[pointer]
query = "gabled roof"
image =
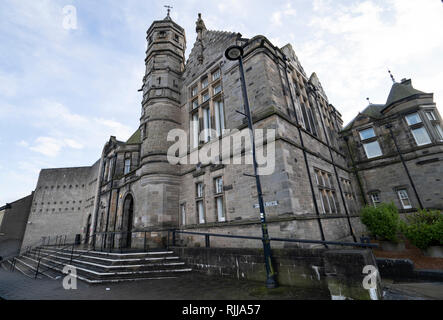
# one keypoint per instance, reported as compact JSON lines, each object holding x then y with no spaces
{"x":401,"y":91}
{"x":372,"y":111}
{"x":135,"y":138}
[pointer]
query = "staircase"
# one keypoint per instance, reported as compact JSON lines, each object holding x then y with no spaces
{"x":96,"y":267}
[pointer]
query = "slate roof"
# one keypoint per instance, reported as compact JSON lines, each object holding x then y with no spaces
{"x":372,"y":110}
{"x":401,"y":91}
{"x":135,"y":138}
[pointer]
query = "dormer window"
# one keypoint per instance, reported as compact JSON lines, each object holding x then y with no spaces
{"x":370,"y":143}
{"x":413,"y":118}
{"x":367,"y":134}
{"x":418,"y":130}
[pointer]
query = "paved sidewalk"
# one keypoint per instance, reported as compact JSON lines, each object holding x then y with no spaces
{"x":414,"y":291}
{"x":192,"y":286}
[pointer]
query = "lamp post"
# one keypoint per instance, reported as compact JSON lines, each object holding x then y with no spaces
{"x":235,"y":53}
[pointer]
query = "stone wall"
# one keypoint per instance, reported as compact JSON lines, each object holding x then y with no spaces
{"x":13,"y":225}
{"x":63,"y":200}
{"x":339,"y":271}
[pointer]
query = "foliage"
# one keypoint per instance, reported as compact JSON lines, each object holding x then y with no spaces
{"x":424,"y":228}
{"x":382,"y":221}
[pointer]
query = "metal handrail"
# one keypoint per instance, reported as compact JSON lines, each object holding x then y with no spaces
{"x":71,"y":246}
{"x":208,"y":235}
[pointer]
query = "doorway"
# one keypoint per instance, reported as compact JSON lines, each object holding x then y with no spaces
{"x":128,"y":211}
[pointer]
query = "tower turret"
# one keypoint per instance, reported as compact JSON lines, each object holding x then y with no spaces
{"x":160,"y":114}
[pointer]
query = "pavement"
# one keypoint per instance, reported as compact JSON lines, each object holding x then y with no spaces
{"x":413,"y":291}
{"x":191,"y":286}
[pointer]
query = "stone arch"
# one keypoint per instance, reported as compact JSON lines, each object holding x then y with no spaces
{"x":127,"y":220}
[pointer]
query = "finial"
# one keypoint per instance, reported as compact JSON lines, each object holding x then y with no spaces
{"x":368,"y":101}
{"x":169,"y":9}
{"x":392,"y":77}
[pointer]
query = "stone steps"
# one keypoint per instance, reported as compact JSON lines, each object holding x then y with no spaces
{"x":102,"y":267}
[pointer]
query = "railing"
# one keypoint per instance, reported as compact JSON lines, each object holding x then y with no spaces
{"x":118,"y":241}
{"x":69,"y":246}
{"x":363,"y":244}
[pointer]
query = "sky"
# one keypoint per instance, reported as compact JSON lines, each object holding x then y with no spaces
{"x":68,"y":82}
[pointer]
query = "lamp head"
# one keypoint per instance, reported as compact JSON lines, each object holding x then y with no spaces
{"x":234,"y":53}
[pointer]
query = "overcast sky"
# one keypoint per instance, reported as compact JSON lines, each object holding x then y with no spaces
{"x":63,"y":92}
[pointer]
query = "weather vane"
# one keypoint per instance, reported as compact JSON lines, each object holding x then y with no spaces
{"x":168,"y":8}
{"x":392,"y":77}
{"x":368,"y":100}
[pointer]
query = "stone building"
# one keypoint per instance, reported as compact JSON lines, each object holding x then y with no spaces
{"x":311,"y":192}
{"x":396,"y":150}
{"x":13,"y":219}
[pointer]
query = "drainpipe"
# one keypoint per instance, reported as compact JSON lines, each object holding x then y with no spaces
{"x":314,"y":93}
{"x":389,"y":127}
{"x":314,"y":198}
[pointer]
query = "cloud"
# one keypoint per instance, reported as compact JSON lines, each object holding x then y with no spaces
{"x":355,"y":44}
{"x":277,"y":16}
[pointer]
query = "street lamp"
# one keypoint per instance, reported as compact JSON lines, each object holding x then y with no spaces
{"x":235,"y":53}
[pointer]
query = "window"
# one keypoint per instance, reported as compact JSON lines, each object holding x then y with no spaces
{"x":194,"y":91}
{"x":205,"y":96}
{"x":207,"y":124}
{"x":216,"y":75}
{"x":204,"y":82}
{"x":127,"y":166}
{"x":327,"y":195}
{"x":431,"y":116}
{"x":175,"y":37}
{"x":207,"y":110}
{"x":367,"y":134}
{"x":372,"y":149}
{"x":219,"y":117}
{"x":220,"y":210}
{"x":217,"y":89}
{"x":218,"y":182}
{"x":439,"y":131}
{"x":404,"y":199}
{"x":199,"y":189}
{"x":375,"y":198}
{"x":195,"y":104}
{"x":349,"y":195}
{"x":413,"y":118}
{"x":219,"y":185}
{"x":183,"y":213}
{"x":195,"y":129}
{"x":199,"y":203}
{"x":421,"y":136}
{"x":201,"y":211}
